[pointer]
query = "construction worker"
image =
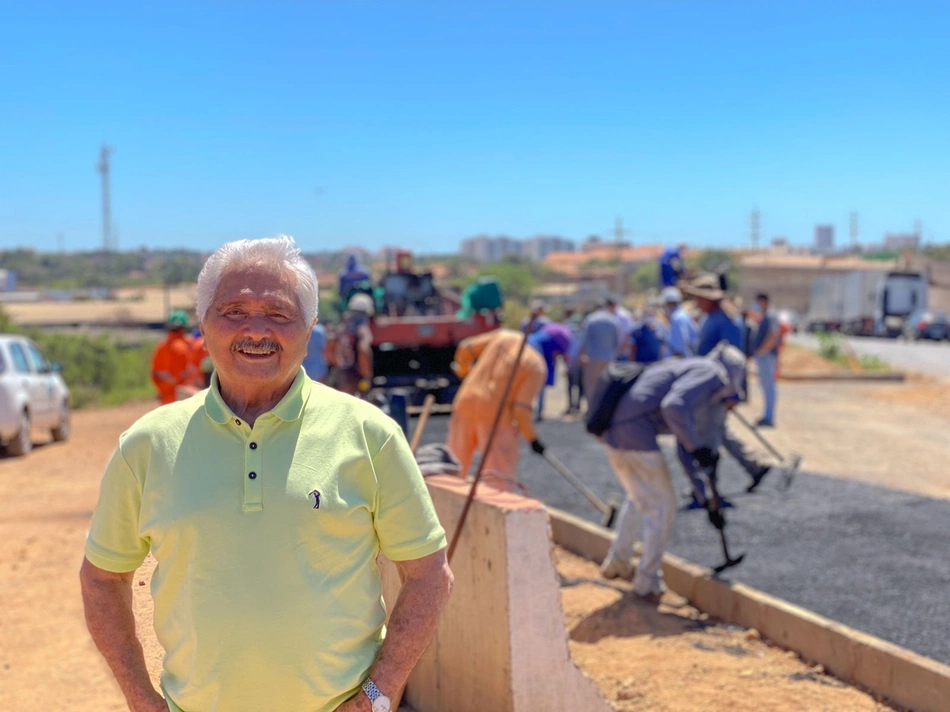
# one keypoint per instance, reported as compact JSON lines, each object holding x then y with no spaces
{"x":764,"y":349}
{"x":722,"y":325}
{"x":315,"y":363}
{"x":672,"y":265}
{"x":599,"y":343}
{"x":352,"y":350}
{"x":200,"y":360}
{"x":683,"y":397}
{"x":485,"y":362}
{"x":682,"y":335}
{"x":351,"y":276}
{"x":647,"y":337}
{"x":172,"y":362}
{"x":551,"y":340}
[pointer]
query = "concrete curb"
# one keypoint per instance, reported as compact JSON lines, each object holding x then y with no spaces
{"x":906,"y":678}
{"x":884,"y":376}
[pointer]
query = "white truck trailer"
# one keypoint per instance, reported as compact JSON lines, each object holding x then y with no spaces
{"x":866,"y":302}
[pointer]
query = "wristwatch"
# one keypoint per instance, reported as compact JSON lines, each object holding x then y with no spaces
{"x":380,"y":702}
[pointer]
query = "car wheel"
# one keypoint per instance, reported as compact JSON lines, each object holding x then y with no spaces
{"x":21,"y":443}
{"x":61,"y":431}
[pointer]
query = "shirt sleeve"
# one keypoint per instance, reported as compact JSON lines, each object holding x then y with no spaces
{"x":114,"y":543}
{"x":690,"y":391}
{"x":405,"y":519}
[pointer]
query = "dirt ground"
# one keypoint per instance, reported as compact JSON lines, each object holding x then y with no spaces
{"x":47,"y":661}
{"x":672,"y":657}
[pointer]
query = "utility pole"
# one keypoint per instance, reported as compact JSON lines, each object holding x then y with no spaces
{"x":103,"y":169}
{"x":853,"y":230}
{"x":754,"y":228}
{"x":619,"y":232}
{"x":919,"y":230}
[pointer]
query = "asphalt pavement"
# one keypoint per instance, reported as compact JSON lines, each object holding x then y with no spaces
{"x":872,"y":558}
{"x":930,"y":357}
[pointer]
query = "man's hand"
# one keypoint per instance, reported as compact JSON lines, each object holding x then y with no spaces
{"x":705,"y":457}
{"x":154,"y":703}
{"x":537,"y":447}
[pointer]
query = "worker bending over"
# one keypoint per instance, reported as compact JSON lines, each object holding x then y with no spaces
{"x":685,"y":397}
{"x":485,"y":363}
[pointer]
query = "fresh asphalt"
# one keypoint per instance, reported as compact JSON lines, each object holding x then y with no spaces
{"x":872,"y":558}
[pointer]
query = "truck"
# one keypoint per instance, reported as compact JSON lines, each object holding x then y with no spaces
{"x":873,"y":302}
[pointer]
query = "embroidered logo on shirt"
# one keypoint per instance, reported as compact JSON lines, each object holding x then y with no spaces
{"x":316,"y":495}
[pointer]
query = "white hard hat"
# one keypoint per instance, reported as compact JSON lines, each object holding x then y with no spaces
{"x":671,"y":295}
{"x":361,"y":302}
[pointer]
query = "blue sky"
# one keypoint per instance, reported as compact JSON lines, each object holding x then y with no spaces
{"x":422,"y":123}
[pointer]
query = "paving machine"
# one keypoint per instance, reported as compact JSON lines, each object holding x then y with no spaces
{"x":417,"y":326}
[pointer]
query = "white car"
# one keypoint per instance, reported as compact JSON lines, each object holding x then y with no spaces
{"x":32,"y":394}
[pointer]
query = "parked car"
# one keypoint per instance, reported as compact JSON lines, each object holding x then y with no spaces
{"x":32,"y":394}
{"x":925,"y":324}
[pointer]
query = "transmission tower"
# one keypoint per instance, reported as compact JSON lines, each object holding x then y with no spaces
{"x":919,"y":231}
{"x":103,"y":168}
{"x":754,"y":227}
{"x":853,"y":230}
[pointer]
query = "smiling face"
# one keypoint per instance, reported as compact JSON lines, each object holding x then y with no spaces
{"x":255,"y":333}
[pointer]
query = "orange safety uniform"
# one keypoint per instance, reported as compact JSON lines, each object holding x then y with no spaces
{"x":172,"y":365}
{"x":493,"y":355}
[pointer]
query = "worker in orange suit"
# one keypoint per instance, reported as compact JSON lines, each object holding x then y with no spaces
{"x":485,"y":363}
{"x":172,"y":364}
{"x":201,"y":361}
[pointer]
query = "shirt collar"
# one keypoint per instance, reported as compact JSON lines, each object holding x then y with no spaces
{"x":288,"y":409}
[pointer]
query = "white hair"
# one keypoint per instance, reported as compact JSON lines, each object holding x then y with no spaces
{"x":268,"y":253}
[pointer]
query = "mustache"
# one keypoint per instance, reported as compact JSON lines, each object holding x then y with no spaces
{"x":251,"y":346}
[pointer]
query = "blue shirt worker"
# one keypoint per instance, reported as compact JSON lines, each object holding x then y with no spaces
{"x":672,"y":266}
{"x":683,"y":397}
{"x":352,"y":275}
{"x":682,"y":336}
{"x":551,"y":340}
{"x":646,"y":340}
{"x":315,"y":363}
{"x":764,"y":349}
{"x":598,"y":344}
{"x":719,"y":326}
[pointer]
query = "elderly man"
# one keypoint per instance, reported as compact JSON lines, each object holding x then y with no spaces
{"x":685,"y":397}
{"x":265,"y":500}
{"x":485,"y":363}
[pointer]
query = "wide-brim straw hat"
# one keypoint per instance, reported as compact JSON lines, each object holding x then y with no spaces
{"x":705,"y":285}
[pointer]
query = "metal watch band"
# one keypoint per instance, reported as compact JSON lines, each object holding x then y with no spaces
{"x":372,"y":692}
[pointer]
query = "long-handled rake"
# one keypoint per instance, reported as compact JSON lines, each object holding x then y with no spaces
{"x":791,"y":464}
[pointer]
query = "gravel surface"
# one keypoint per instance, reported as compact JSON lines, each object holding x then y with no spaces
{"x":873,"y":558}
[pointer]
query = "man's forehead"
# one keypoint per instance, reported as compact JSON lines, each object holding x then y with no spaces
{"x":255,"y":284}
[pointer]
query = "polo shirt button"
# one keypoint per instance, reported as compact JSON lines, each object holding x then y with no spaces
{"x":253,"y":446}
{"x":252,"y":475}
{"x":238,"y":422}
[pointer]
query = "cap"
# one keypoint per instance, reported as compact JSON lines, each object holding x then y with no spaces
{"x":361,"y":302}
{"x":177,"y":320}
{"x":671,"y":295}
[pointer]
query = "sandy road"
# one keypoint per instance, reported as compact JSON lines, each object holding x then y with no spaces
{"x":47,"y":660}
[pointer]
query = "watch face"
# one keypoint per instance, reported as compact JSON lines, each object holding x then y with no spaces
{"x":382,"y":704}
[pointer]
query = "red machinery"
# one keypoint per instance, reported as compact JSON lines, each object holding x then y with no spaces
{"x":416,"y":330}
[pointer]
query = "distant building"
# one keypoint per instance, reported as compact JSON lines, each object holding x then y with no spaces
{"x":539,"y":247}
{"x":894,"y":241}
{"x":824,"y":239}
{"x":779,"y":243}
{"x":490,"y":249}
{"x":7,"y":280}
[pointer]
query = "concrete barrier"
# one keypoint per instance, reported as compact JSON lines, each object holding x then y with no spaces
{"x":906,"y":678}
{"x":501,"y":644}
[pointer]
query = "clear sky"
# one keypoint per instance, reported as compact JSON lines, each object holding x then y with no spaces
{"x":422,"y":123}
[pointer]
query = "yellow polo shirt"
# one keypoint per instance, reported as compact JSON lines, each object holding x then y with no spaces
{"x":267,"y":594}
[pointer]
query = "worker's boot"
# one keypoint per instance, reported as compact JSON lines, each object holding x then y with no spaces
{"x":616,"y":567}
